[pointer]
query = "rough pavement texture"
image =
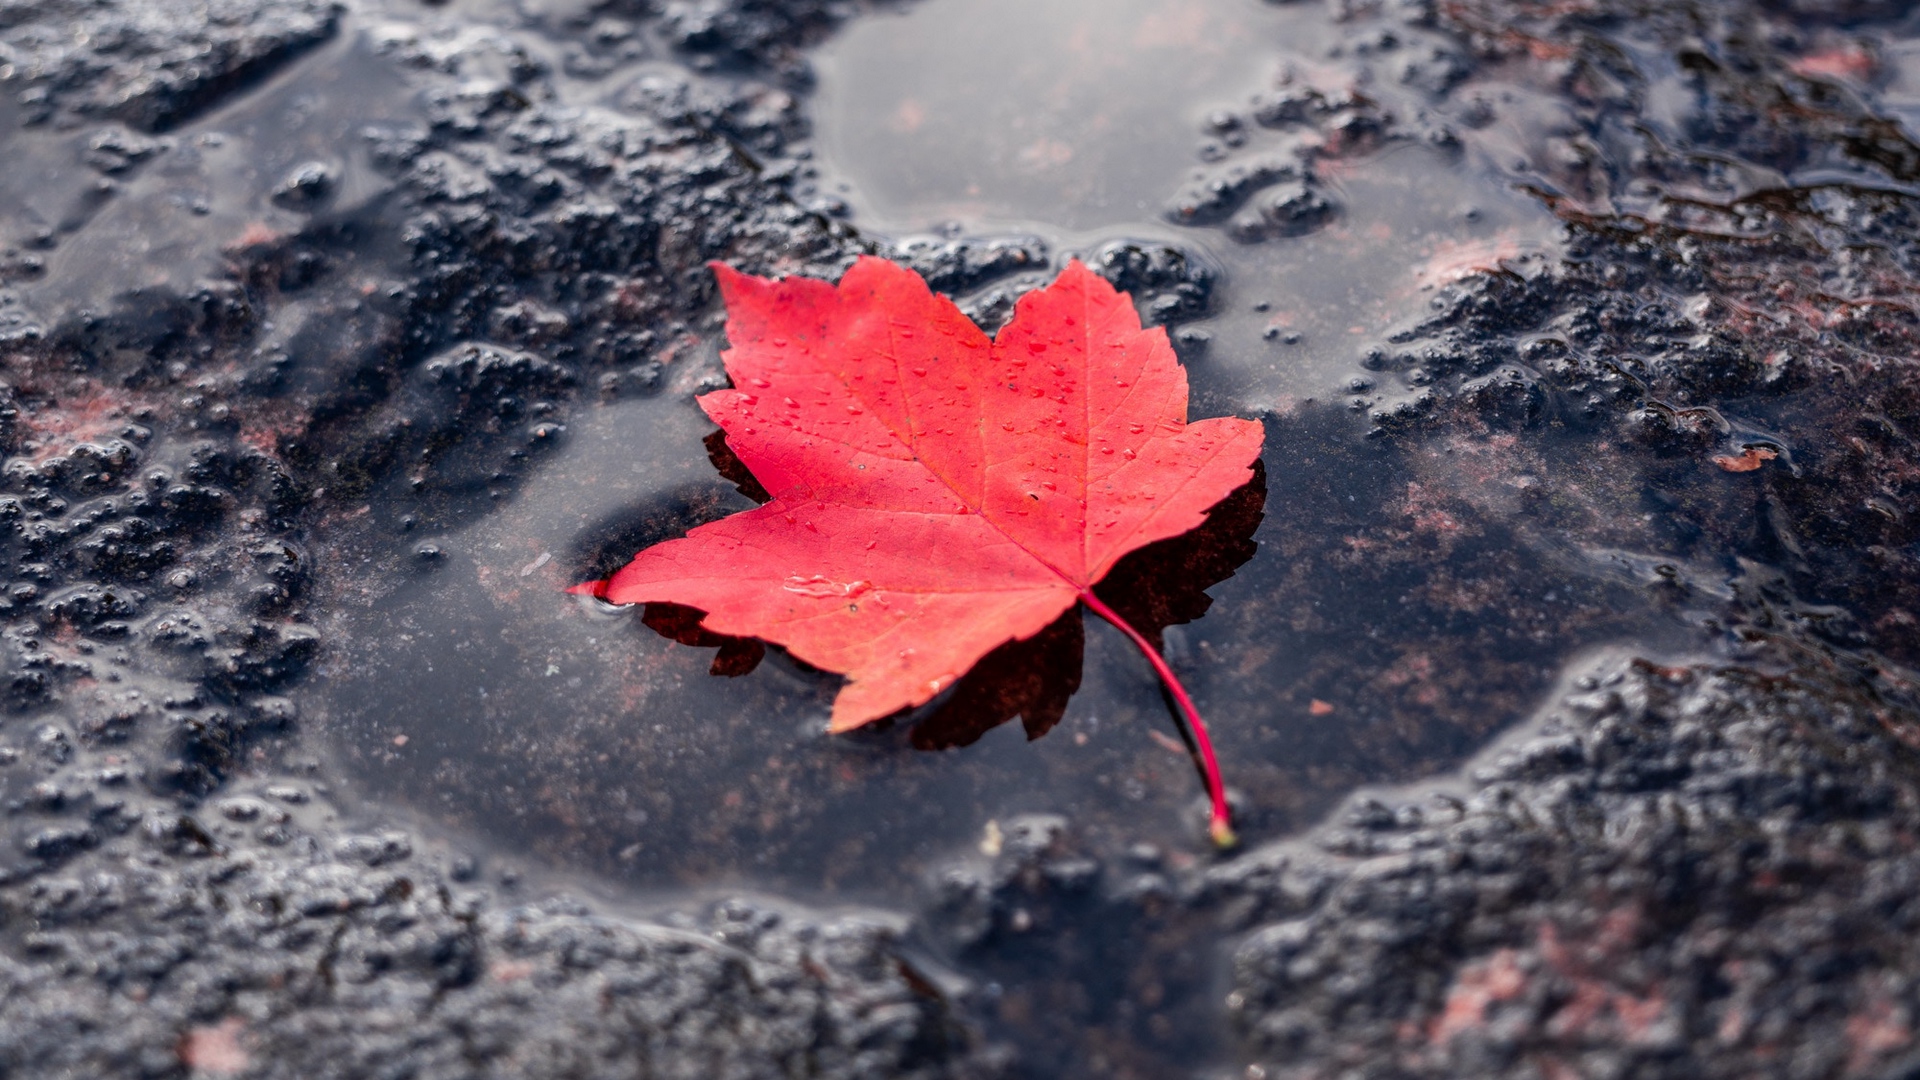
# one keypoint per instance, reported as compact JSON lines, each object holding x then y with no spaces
{"x":245,"y":946}
{"x":161,"y":920}
{"x":1701,"y":868}
{"x":1697,"y":867}
{"x":151,"y":64}
{"x":1684,"y":871}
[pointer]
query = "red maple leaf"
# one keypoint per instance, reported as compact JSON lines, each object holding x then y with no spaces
{"x":934,"y":493}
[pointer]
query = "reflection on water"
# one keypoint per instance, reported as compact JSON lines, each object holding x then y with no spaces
{"x":1078,"y":115}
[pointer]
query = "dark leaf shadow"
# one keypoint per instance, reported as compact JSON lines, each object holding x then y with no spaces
{"x":737,"y":655}
{"x":1156,"y":587}
{"x":728,"y":464}
{"x":1031,"y":679}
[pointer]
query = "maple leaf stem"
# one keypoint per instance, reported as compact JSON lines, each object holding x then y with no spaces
{"x":1220,"y":822}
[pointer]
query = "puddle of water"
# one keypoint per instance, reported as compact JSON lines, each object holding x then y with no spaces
{"x":1075,"y":114}
{"x":1338,"y":654}
{"x":1898,"y":69}
{"x":1083,"y":121}
{"x":482,"y":694}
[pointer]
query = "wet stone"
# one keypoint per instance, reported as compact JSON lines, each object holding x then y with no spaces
{"x":305,"y":187}
{"x":340,"y":341}
{"x":1290,"y":209}
{"x":151,"y":64}
{"x":1542,"y":968}
{"x":962,"y":265}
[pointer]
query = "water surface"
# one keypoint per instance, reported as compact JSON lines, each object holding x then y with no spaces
{"x":1333,"y":656}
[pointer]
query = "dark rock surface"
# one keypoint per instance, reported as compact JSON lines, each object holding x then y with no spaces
{"x":1691,"y":867}
{"x":1696,"y":870}
{"x":239,"y":940}
{"x":355,"y":330}
{"x":151,"y":65}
